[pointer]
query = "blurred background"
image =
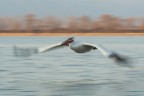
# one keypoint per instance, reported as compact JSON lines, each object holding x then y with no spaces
{"x":72,"y":16}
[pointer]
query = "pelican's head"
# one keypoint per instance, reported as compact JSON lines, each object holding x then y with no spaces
{"x":68,"y":41}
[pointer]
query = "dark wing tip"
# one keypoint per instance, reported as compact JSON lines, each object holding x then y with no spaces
{"x":121,"y":60}
{"x":24,"y":52}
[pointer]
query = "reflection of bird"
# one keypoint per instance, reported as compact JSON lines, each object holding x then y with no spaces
{"x":77,"y":46}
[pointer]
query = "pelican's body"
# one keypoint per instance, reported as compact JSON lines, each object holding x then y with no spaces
{"x":77,"y":46}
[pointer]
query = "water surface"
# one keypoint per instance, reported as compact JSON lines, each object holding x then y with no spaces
{"x":66,"y":73}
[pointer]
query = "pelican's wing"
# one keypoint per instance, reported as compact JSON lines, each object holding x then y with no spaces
{"x":26,"y":52}
{"x":119,"y":59}
{"x":49,"y":48}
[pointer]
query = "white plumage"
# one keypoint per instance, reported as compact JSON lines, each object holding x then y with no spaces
{"x":77,"y":46}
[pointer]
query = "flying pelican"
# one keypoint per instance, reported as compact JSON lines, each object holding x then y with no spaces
{"x":77,"y":46}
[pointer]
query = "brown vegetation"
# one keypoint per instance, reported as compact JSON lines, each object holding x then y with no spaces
{"x":84,"y":24}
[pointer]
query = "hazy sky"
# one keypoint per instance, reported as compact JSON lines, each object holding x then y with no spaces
{"x":66,"y":8}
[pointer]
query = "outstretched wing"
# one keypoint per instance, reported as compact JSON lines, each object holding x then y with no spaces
{"x":119,"y":59}
{"x":50,"y":48}
{"x":26,"y":52}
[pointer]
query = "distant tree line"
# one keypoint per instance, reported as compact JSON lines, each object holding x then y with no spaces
{"x":105,"y":23}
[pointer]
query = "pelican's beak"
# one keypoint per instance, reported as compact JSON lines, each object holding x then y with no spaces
{"x":68,"y":41}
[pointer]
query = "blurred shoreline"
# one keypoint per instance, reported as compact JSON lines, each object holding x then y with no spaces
{"x":73,"y":34}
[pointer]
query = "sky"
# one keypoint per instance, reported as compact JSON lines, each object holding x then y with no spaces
{"x":67,"y":8}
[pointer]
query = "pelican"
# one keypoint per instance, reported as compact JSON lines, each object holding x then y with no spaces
{"x":76,"y":46}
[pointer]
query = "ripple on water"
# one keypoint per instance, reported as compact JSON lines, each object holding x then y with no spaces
{"x":65,"y":73}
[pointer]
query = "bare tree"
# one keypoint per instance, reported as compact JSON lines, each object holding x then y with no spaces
{"x":141,"y":23}
{"x":5,"y":23}
{"x":73,"y":24}
{"x":85,"y":23}
{"x":52,"y":23}
{"x":129,"y":23}
{"x":29,"y":22}
{"x":39,"y":25}
{"x":96,"y":25}
{"x":16,"y":24}
{"x":110,"y":22}
{"x":2,"y":25}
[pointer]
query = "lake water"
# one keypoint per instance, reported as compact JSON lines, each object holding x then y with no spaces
{"x":66,"y":73}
